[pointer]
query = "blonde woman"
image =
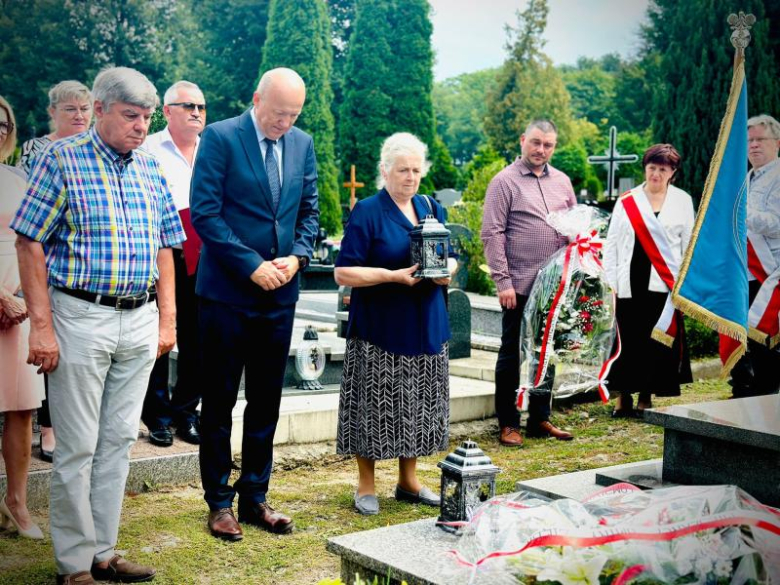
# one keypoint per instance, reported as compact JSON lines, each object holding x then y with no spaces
{"x":21,"y":390}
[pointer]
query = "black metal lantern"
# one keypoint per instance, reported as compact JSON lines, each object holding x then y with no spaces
{"x":468,"y":478}
{"x":430,"y":248}
{"x":310,"y":360}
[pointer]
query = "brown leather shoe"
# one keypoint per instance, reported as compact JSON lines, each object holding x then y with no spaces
{"x":80,"y":578}
{"x":510,"y":437}
{"x":547,"y":429}
{"x":223,"y":524}
{"x":123,"y":571}
{"x":265,"y":517}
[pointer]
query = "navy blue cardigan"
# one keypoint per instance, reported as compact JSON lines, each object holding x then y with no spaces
{"x":397,"y":318}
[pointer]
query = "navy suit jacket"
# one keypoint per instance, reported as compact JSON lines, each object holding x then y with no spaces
{"x":231,"y":209}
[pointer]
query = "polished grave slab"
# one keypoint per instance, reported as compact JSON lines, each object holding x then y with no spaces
{"x":726,"y":442}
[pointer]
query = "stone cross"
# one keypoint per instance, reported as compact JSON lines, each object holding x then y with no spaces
{"x":612,"y":160}
{"x":352,"y":184}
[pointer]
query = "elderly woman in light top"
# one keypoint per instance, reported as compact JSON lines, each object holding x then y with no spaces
{"x":394,"y":401}
{"x":70,"y":112}
{"x":647,"y":366}
{"x":21,"y":390}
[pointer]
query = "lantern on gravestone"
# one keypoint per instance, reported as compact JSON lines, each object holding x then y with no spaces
{"x":310,"y":360}
{"x":468,"y":478}
{"x":430,"y":248}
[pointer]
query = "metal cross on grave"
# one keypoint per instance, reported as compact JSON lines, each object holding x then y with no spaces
{"x":611,"y":160}
{"x":352,"y":184}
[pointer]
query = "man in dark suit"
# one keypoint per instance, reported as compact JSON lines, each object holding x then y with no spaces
{"x":254,"y":205}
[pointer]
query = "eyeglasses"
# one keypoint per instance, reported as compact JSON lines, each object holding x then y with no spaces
{"x":189,"y":106}
{"x":752,"y":140}
{"x":6,"y":128}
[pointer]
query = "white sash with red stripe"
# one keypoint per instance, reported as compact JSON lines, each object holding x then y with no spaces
{"x":764,"y":315}
{"x":652,"y":237}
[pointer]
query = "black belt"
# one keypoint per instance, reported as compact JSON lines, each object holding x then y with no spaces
{"x":118,"y":303}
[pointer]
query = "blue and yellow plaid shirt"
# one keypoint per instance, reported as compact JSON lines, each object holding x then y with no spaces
{"x":100,"y":216}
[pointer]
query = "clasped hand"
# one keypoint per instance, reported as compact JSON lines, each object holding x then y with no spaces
{"x":13,"y":311}
{"x":272,"y":274}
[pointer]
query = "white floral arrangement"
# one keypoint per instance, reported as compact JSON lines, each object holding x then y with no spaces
{"x":703,"y":535}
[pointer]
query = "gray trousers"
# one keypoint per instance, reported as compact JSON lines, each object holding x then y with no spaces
{"x":96,"y":394}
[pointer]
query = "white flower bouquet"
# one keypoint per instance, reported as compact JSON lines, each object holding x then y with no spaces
{"x":704,"y":535}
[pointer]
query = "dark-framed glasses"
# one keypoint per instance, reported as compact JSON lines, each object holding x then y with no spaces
{"x":6,"y":128}
{"x":189,"y":106}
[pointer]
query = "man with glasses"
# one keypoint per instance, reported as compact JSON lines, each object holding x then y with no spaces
{"x":758,"y":372}
{"x":518,"y":241}
{"x":94,"y":236}
{"x":175,"y":147}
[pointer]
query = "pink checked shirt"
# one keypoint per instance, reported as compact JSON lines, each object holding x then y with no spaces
{"x":518,"y":240}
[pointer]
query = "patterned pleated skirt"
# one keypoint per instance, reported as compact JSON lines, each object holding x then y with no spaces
{"x":393,"y":405}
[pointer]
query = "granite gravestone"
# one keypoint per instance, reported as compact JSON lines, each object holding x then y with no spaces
{"x":460,"y":323}
{"x":733,"y":442}
{"x":458,"y":235}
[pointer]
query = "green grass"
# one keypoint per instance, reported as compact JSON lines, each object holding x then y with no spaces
{"x":167,"y":528}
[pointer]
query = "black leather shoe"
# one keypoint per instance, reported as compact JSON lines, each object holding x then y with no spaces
{"x":161,"y":437}
{"x":189,"y":432}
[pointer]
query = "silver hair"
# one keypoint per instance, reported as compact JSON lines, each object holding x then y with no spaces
{"x":546,"y":126}
{"x":772,"y":126}
{"x":401,"y":144}
{"x":69,"y":90}
{"x":278,"y":74}
{"x":122,"y":84}
{"x":172,"y":93}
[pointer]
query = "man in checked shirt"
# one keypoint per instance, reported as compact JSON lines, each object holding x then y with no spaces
{"x":95,"y":232}
{"x":518,"y":241}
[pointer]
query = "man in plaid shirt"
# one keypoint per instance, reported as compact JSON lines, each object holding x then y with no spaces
{"x":95,"y":232}
{"x":518,"y":241}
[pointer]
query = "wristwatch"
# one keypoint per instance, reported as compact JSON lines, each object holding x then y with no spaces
{"x":303,"y":262}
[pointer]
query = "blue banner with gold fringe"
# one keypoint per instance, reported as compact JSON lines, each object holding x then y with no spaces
{"x":713,"y":283}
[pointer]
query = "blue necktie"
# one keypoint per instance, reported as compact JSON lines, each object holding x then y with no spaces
{"x":272,"y":170}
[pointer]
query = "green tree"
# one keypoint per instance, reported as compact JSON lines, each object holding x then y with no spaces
{"x":528,"y":86}
{"x":592,"y":94}
{"x":298,"y":37}
{"x":691,"y":40}
{"x":389,"y":68}
{"x":223,"y":51}
{"x":28,"y":30}
{"x":443,"y":173}
{"x":459,"y":104}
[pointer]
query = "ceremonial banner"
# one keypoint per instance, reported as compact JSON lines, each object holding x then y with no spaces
{"x":713,"y":283}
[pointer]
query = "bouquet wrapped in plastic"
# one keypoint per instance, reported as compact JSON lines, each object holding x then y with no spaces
{"x":687,"y":534}
{"x":568,"y":327}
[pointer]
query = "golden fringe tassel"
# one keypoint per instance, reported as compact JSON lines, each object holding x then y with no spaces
{"x":719,"y":324}
{"x":662,"y":337}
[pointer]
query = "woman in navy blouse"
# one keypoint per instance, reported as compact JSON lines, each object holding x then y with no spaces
{"x":394,"y":400}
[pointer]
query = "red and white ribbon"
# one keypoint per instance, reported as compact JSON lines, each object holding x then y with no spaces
{"x":764,"y":315}
{"x":587,"y":247}
{"x":652,"y":236}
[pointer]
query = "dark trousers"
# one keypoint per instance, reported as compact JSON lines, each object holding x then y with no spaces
{"x":44,"y":418}
{"x":508,"y":374}
{"x":179,"y":407}
{"x":233,"y":340}
{"x":757,"y":373}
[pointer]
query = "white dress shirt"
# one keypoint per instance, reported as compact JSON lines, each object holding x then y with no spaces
{"x":175,"y":167}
